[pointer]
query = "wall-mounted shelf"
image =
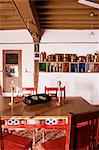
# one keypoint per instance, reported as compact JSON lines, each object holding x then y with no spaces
{"x":69,"y":63}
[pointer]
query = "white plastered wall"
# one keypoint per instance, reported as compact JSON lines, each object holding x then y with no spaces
{"x":56,"y":41}
{"x":77,"y":42}
{"x":19,"y":36}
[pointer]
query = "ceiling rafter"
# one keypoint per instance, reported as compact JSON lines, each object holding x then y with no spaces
{"x":66,"y":11}
{"x":60,"y":4}
{"x":65,"y":27}
{"x":9,"y":19}
{"x":27,"y":16}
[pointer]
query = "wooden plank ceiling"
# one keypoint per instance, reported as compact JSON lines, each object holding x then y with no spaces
{"x":9,"y":17}
{"x":35,"y":15}
{"x":17,"y":14}
{"x":66,"y":14}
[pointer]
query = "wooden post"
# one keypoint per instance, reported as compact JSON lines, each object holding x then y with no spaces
{"x":59,"y":94}
{"x":36,"y":64}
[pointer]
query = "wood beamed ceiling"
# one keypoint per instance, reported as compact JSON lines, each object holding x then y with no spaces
{"x":9,"y":18}
{"x":17,"y":14}
{"x":66,"y":14}
{"x":37,"y":15}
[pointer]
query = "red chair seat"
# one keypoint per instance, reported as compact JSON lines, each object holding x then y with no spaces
{"x":10,"y":146}
{"x":56,"y":144}
{"x":22,"y":142}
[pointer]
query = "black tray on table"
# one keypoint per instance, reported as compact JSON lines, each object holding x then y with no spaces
{"x":37,"y":99}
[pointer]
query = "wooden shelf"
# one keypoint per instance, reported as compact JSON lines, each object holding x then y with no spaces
{"x":80,"y":67}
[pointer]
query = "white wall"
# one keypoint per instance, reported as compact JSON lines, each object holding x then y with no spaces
{"x":78,"y":42}
{"x":19,"y":36}
{"x":56,"y":41}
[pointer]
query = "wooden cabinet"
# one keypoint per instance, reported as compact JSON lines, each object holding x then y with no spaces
{"x":81,"y":67}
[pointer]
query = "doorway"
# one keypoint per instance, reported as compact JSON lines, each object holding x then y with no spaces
{"x":12,"y":69}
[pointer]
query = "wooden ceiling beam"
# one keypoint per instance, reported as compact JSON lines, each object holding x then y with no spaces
{"x":61,"y":17}
{"x":12,"y":18}
{"x":9,"y":17}
{"x":5,"y":2}
{"x":11,"y":21}
{"x":52,"y":14}
{"x":11,"y":24}
{"x":68,"y":28}
{"x":6,"y":9}
{"x":42,"y":1}
{"x":10,"y":14}
{"x":11,"y":27}
{"x":67,"y":19}
{"x":79,"y":24}
{"x":70,"y":22}
{"x":66,"y":11}
{"x":24,"y":10}
{"x":5,"y":5}
{"x":61,"y":4}
{"x":74,"y":27}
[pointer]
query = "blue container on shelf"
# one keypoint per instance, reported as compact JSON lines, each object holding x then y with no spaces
{"x":82,"y":67}
{"x":74,"y":67}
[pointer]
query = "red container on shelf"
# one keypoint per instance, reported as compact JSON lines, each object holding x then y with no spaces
{"x":59,"y":57}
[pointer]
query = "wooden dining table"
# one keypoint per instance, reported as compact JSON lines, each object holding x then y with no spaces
{"x":69,"y":104}
{"x":38,"y":114}
{"x":41,"y":112}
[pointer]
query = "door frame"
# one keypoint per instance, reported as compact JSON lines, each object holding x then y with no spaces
{"x":19,"y":64}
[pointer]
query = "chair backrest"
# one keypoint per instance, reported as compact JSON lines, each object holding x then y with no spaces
{"x":1,"y":136}
{"x":52,"y":91}
{"x":29,"y":90}
{"x":0,"y":129}
{"x":97,"y":136}
{"x":82,"y":128}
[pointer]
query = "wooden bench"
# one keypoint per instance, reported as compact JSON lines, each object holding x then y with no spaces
{"x":52,"y":91}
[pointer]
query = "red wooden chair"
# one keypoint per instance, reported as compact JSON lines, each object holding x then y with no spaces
{"x":28,"y":91}
{"x":9,"y":141}
{"x":81,"y":132}
{"x":19,"y":141}
{"x":1,"y":146}
{"x":97,"y":136}
{"x":52,"y":91}
{"x":56,"y":144}
{"x":10,"y":146}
